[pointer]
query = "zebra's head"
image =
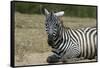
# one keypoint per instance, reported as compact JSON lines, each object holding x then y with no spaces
{"x":53,"y":23}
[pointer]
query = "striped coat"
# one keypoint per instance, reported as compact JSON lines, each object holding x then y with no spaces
{"x":69,"y":43}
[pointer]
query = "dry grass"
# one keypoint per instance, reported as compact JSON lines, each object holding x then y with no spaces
{"x":31,"y":37}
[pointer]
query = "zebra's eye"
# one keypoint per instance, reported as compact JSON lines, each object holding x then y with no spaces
{"x":56,"y":25}
{"x":46,"y":24}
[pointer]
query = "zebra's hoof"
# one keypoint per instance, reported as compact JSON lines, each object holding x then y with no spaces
{"x":52,"y":59}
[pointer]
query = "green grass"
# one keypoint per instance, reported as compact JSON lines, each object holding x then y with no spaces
{"x":69,"y":10}
{"x":30,"y":34}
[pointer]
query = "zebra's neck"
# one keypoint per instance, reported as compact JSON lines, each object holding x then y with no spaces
{"x":62,"y":43}
{"x":61,"y":40}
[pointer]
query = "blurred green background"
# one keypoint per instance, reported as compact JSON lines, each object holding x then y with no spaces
{"x":70,"y":10}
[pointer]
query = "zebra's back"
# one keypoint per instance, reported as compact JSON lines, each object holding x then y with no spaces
{"x":86,"y":39}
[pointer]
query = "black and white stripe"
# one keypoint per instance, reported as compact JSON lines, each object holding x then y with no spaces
{"x":70,"y":43}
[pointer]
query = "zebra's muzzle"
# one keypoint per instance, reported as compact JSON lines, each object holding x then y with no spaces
{"x":50,"y":37}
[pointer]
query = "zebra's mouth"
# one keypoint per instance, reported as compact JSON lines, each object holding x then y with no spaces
{"x":50,"y":37}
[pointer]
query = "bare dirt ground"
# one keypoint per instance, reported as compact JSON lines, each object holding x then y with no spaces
{"x":34,"y":59}
{"x":40,"y":58}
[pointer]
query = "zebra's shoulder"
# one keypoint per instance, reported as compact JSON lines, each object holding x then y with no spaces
{"x":88,"y":29}
{"x":80,"y":29}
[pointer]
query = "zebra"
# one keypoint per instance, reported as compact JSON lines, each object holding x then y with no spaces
{"x":67,"y":43}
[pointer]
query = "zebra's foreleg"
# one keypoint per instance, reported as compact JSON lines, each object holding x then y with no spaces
{"x":53,"y":59}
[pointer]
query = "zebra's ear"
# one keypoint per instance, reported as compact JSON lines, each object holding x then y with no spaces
{"x":61,"y":13}
{"x":46,"y":11}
